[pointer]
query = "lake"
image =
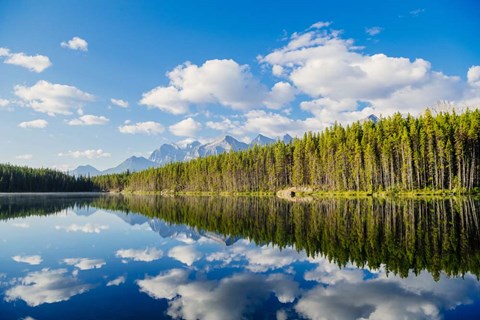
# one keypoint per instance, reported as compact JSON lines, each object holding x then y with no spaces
{"x":148,"y":257}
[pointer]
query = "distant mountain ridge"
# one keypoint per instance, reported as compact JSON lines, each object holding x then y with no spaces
{"x":170,"y":152}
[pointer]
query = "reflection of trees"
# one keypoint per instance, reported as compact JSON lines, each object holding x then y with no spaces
{"x":15,"y":206}
{"x":403,"y":234}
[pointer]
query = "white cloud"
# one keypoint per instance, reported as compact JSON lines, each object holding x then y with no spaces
{"x":222,"y":82}
{"x":119,"y":102}
{"x":24,"y":157}
{"x":473,"y":76}
{"x":85,"y":263}
{"x":321,"y":24}
{"x":32,"y":260}
{"x":268,"y":123}
{"x":4,"y":103}
{"x":36,"y":63}
{"x":46,"y":286}
{"x":89,"y":120}
{"x":345,"y":84}
{"x":117,"y":281}
{"x":76,"y":43}
{"x":281,"y":94}
{"x":185,"y":254}
{"x":148,"y":127}
{"x":87,"y":228}
{"x":417,"y":12}
{"x":38,"y":124}
{"x":145,"y":255}
{"x":186,"y":128}
{"x":52,"y":98}
{"x":373,"y":31}
{"x":89,"y":154}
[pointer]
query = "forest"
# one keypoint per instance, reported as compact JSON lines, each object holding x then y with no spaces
{"x":24,"y":179}
{"x":435,"y":151}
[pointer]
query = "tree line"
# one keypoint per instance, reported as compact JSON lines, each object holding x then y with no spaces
{"x":398,"y":153}
{"x":24,"y":179}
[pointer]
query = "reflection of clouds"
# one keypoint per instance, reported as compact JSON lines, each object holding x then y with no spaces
{"x":46,"y":286}
{"x":224,"y":299}
{"x":32,"y":260}
{"x":22,"y":225}
{"x":385,"y":298}
{"x":87,"y":228}
{"x":85,"y":263}
{"x":146,"y":255}
{"x":116,"y":282}
{"x":260,"y":259}
{"x":164,"y":286}
{"x":185,"y":254}
{"x":329,"y":273}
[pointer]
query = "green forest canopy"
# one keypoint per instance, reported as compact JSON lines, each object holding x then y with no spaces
{"x":398,"y":153}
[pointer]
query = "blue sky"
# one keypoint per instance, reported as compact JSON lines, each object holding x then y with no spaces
{"x":191,"y":70}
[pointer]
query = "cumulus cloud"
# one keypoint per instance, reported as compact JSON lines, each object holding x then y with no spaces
{"x":117,"y":281}
{"x":89,"y":154}
{"x":85,"y":263}
{"x":268,"y":123}
{"x":119,"y":103}
{"x":185,"y":128}
{"x":223,"y":82}
{"x":373,"y":31}
{"x":76,"y":43}
{"x":51,"y":98}
{"x":87,"y":228}
{"x":185,"y":254}
{"x":473,"y":76}
{"x":145,"y":255}
{"x":46,"y":286}
{"x":32,"y":260}
{"x":89,"y":120}
{"x":38,"y":124}
{"x":36,"y":63}
{"x":345,"y":84}
{"x":4,"y":103}
{"x":148,"y":127}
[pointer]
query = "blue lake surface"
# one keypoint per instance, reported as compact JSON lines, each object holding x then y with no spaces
{"x":148,"y":257}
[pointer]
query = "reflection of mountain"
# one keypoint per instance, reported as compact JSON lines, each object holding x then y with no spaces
{"x":403,"y":234}
{"x":176,"y":231}
{"x":84,"y":211}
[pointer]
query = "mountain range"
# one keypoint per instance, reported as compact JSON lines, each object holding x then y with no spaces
{"x":170,"y":152}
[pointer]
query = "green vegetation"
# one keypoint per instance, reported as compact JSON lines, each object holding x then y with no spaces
{"x":437,"y":235}
{"x":428,"y":154}
{"x":404,"y":234}
{"x":24,"y":179}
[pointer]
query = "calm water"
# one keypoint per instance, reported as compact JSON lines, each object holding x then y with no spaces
{"x":114,"y":257}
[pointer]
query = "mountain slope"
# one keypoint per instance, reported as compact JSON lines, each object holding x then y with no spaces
{"x":132,"y":164}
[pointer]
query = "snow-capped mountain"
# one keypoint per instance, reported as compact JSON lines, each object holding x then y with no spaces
{"x":219,"y":146}
{"x":170,"y":152}
{"x":262,"y":140}
{"x":167,"y":153}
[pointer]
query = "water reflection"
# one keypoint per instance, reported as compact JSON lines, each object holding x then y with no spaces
{"x":233,"y":258}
